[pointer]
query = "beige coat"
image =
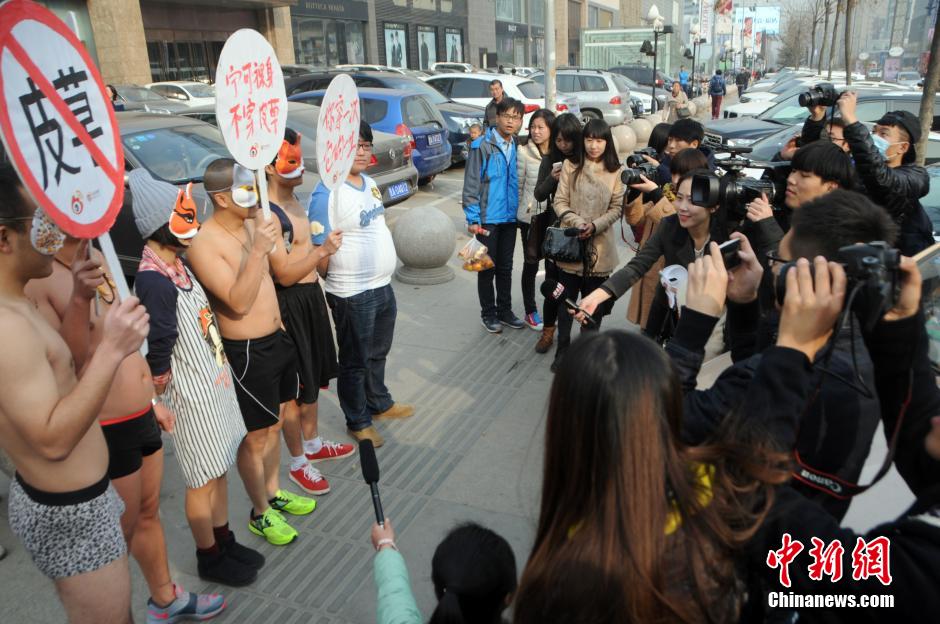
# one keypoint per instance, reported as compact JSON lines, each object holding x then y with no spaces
{"x":528,"y":161}
{"x":673,"y":104}
{"x":596,"y":198}
{"x":649,"y":215}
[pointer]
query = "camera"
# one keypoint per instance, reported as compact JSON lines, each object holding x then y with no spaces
{"x":636,"y":165}
{"x":823,"y":94}
{"x":872,"y":271}
{"x":734,"y":190}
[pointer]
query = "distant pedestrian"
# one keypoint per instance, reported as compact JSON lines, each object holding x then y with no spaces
{"x":742,"y":80}
{"x":677,"y":103}
{"x":717,"y":90}
{"x":684,"y":80}
{"x":496,"y":91}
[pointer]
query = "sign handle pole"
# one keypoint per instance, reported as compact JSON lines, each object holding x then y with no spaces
{"x":263,"y":194}
{"x":114,"y":266}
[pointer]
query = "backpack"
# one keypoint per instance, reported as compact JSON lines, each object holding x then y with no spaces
{"x":714,"y":87}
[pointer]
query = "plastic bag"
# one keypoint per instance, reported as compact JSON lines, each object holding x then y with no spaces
{"x":475,"y":256}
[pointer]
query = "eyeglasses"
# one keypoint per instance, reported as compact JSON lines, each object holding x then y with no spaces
{"x":366,"y":147}
{"x":773,"y":259}
{"x":836,"y":140}
{"x":511,"y":117}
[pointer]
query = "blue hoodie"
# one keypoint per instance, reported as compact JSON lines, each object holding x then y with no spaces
{"x":490,"y":182}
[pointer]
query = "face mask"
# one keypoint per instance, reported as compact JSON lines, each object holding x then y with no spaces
{"x":45,"y":235}
{"x":244,"y":192}
{"x":881,"y":145}
{"x":184,"y":223}
{"x":290,"y":160}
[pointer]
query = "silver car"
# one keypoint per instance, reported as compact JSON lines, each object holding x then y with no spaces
{"x":599,"y":94}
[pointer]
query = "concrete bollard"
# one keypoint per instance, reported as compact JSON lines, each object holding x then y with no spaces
{"x":642,"y":128}
{"x":692,"y":108}
{"x":624,"y":140}
{"x":424,"y":241}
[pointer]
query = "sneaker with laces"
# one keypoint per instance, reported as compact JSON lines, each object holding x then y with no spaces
{"x":292,"y":503}
{"x":331,"y":450}
{"x":310,"y":480}
{"x":187,"y":606}
{"x":492,"y":325}
{"x":534,"y":321}
{"x":271,"y":526}
{"x":511,"y":321}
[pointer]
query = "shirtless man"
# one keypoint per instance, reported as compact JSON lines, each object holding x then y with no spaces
{"x":129,"y":419}
{"x":230,"y":259}
{"x":305,"y":316}
{"x":62,"y":505}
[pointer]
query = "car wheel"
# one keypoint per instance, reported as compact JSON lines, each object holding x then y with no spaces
{"x":589,"y":115}
{"x":425,"y":181}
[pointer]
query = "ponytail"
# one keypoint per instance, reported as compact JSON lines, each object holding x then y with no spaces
{"x":448,"y":610}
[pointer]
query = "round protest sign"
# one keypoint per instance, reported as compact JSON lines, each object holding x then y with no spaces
{"x":250,"y":101}
{"x":337,"y":131}
{"x":56,"y":122}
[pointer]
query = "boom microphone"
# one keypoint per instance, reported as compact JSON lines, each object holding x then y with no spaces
{"x":370,"y":473}
{"x":555,"y":291}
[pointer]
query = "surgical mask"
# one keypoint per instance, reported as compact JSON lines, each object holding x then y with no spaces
{"x":882,"y":145}
{"x":45,"y":235}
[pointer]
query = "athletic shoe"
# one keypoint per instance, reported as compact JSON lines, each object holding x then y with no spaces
{"x":331,"y":450}
{"x":512,"y":321}
{"x":292,"y":503}
{"x":492,"y":325}
{"x":271,"y":526}
{"x":187,"y":606}
{"x":369,"y":433}
{"x":310,"y":480}
{"x":223,"y":568}
{"x":534,"y":321}
{"x":395,"y":412}
{"x":241,"y":553}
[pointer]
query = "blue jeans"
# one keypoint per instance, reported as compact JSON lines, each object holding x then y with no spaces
{"x":365,"y":325}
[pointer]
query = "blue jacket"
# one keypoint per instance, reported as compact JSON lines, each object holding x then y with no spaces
{"x":716,"y":86}
{"x":490,"y":182}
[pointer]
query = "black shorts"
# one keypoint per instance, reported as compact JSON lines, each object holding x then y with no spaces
{"x":305,"y":315}
{"x":265,"y":372}
{"x":129,"y":441}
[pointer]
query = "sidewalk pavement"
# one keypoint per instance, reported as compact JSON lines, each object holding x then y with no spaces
{"x":472,"y":452}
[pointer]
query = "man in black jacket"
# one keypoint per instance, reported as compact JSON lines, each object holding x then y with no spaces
{"x":885,"y":161}
{"x":490,"y":115}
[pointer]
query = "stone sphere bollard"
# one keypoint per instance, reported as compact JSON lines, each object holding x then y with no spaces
{"x":624,"y":140}
{"x":692,"y":108}
{"x":642,"y":128}
{"x":424,"y":241}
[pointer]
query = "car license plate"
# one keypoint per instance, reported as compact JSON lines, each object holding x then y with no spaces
{"x":434,"y":139}
{"x":398,"y":189}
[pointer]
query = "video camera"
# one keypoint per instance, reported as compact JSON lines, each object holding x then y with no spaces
{"x":873,"y":274}
{"x":636,"y":165}
{"x":734,"y":190}
{"x":823,"y":94}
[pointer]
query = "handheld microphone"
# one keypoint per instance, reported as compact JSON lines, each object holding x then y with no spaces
{"x":555,"y":291}
{"x":572,"y":231}
{"x":370,"y":473}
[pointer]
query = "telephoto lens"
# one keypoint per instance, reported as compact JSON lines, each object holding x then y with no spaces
{"x":823,"y":94}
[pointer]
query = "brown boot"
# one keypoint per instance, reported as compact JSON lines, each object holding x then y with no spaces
{"x":369,"y":433}
{"x":545,"y":340}
{"x":397,"y":410}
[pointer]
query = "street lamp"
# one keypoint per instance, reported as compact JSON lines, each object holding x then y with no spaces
{"x":656,"y":19}
{"x":695,"y":30}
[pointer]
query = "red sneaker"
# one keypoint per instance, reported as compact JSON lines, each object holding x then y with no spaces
{"x":310,"y":480}
{"x":331,"y":450}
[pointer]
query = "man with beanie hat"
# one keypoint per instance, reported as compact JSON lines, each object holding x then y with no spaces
{"x":130,"y":418}
{"x":191,"y":375}
{"x":885,"y":159}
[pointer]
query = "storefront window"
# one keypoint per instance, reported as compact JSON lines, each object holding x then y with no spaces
{"x":537,"y":11}
{"x":427,"y":47}
{"x":453,"y":43}
{"x":324,"y":42}
{"x":511,"y":10}
{"x":396,"y":45}
{"x":427,"y":5}
{"x":447,"y":6}
{"x":309,"y":43}
{"x":504,"y":48}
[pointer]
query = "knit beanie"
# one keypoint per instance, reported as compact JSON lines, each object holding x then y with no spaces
{"x":153,"y":201}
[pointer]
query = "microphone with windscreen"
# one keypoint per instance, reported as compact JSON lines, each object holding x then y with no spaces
{"x":370,"y":473}
{"x":556,"y":291}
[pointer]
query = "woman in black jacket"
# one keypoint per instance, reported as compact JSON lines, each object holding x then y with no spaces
{"x":566,"y":144}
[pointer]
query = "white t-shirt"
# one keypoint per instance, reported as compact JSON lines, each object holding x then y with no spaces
{"x":366,"y":259}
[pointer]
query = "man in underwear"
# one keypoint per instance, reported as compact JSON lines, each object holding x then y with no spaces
{"x":305,"y":316}
{"x":358,"y":283}
{"x":129,"y":419}
{"x":230,"y":259}
{"x":191,"y":375}
{"x":61,"y":505}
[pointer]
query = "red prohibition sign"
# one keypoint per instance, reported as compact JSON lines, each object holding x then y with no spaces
{"x":12,"y":13}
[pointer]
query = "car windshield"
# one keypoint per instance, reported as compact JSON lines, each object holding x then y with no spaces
{"x":908,"y":76}
{"x":787,"y":112}
{"x":622,"y":83}
{"x":140,"y":94}
{"x":408,"y":84}
{"x":179,"y":154}
{"x":766,"y":148}
{"x":532,"y":90}
{"x":200,"y":90}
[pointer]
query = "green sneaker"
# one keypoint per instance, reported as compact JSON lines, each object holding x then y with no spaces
{"x":292,"y":503}
{"x":272,"y":526}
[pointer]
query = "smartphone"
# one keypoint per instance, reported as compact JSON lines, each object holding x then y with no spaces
{"x":729,"y":253}
{"x":556,"y":166}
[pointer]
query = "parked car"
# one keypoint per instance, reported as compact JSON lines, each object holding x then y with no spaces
{"x":475,"y":89}
{"x":406,"y":114}
{"x":190,"y":93}
{"x":135,"y":97}
{"x":601,"y":95}
{"x":908,"y":79}
{"x":443,"y":68}
{"x":931,"y":201}
{"x":756,"y":106}
{"x":299,"y":70}
{"x":644,"y":93}
{"x":392,"y":170}
{"x":872,"y":104}
{"x":643,"y":75}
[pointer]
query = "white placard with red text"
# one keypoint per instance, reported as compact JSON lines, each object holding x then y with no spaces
{"x":337,"y":131}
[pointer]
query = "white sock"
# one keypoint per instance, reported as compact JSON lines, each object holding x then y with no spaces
{"x":313,"y":446}
{"x":296,"y":463}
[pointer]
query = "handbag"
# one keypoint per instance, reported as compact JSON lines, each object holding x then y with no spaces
{"x":537,"y":226}
{"x":683,"y":112}
{"x":559,"y":247}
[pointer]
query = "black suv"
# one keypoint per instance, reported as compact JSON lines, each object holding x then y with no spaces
{"x":643,"y":74}
{"x":872,"y":104}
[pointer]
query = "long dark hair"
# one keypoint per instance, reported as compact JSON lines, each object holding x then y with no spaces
{"x":598,"y":129}
{"x":659,"y":137}
{"x":474,"y":571}
{"x":568,"y":127}
{"x":549,"y":118}
{"x":628,"y":511}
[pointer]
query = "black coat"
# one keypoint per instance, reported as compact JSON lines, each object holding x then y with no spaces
{"x":897,"y":189}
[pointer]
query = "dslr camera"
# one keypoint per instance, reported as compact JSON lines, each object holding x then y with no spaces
{"x":873,"y":272}
{"x":636,"y":165}
{"x":734,"y":190}
{"x":823,"y":94}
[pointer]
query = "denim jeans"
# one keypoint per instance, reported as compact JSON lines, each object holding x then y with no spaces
{"x":365,"y":326}
{"x":500,"y":243}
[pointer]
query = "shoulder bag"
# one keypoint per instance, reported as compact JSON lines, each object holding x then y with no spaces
{"x":559,"y":247}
